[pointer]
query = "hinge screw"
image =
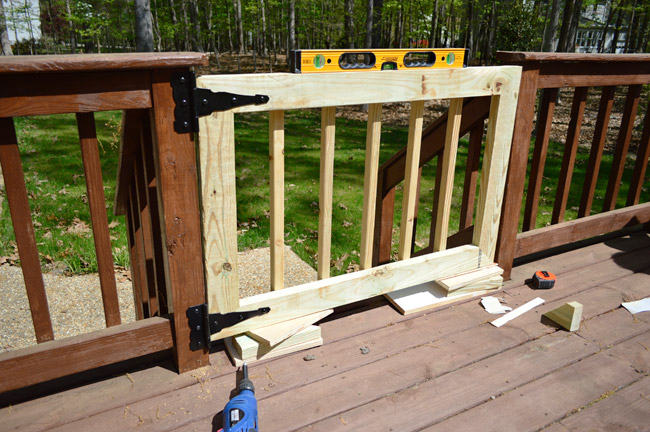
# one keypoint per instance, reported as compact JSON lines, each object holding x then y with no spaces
{"x":184,"y":102}
{"x":186,"y":125}
{"x":198,"y":328}
{"x":204,"y":101}
{"x":182,"y":80}
{"x":234,"y":100}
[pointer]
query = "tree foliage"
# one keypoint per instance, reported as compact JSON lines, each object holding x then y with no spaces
{"x":264,"y":26}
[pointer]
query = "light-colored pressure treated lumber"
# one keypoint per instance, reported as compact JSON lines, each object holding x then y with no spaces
{"x":447,"y":180}
{"x":274,"y":334}
{"x":276,"y":166}
{"x":328,"y":118}
{"x":411,"y":180}
{"x":424,"y":297}
{"x":219,"y":210}
{"x":243,"y":348}
{"x":495,"y":166}
{"x":297,"y":91}
{"x":316,"y":296}
{"x":568,"y":315}
{"x":486,"y":278}
{"x":373,"y":139}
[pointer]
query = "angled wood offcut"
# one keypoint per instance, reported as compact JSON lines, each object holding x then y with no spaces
{"x":302,"y":91}
{"x":568,"y":315}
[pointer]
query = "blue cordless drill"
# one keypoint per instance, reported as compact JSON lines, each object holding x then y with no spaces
{"x":240,"y":413}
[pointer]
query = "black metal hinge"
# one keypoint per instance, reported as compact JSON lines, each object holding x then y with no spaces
{"x":203,"y":324}
{"x":192,"y":102}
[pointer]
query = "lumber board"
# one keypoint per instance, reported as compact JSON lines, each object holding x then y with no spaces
{"x":340,"y":290}
{"x":450,"y":151}
{"x":273,"y":335}
{"x":568,"y":389}
{"x":411,"y":181}
{"x":627,"y":409}
{"x":613,"y":328}
{"x":454,"y":283}
{"x":298,"y":91}
{"x":424,"y":297}
{"x":276,"y":181}
{"x":326,"y":188}
{"x":495,"y":167}
{"x":589,"y":59}
{"x":249,"y":348}
{"x":216,"y":151}
{"x":568,"y":315}
{"x":237,"y":360}
{"x":371,"y":172}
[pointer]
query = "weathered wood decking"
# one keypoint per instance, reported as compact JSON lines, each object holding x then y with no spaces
{"x":443,"y":370}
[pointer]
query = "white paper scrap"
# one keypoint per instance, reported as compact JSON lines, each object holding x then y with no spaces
{"x":638,"y":306}
{"x":515,"y":313}
{"x":494,"y":306}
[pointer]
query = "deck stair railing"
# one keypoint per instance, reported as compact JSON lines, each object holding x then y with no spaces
{"x":546,"y":73}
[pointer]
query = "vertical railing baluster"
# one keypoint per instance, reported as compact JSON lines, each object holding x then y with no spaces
{"x":596,"y":153}
{"x":443,"y":209}
{"x":276,"y":166}
{"x":373,"y":140}
{"x":622,"y":144}
{"x":327,"y":141}
{"x":544,"y":123}
{"x":411,"y":179}
{"x":12,"y":170}
{"x":569,"y":158}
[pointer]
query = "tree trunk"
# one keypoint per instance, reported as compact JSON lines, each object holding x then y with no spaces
{"x":156,"y":27}
{"x":377,"y":22}
{"x":369,"y":16}
{"x":240,"y":28}
{"x":548,"y":44}
{"x":5,"y":45}
{"x":573,"y":26}
{"x":143,"y":27}
{"x":617,"y":30}
{"x":197,"y":43}
{"x":603,"y":39}
{"x":643,"y":29}
{"x":632,"y":28}
{"x":291,"y":42}
{"x":566,"y":24}
{"x":264,"y":34}
{"x":348,"y":23}
{"x":186,"y":26}
{"x":172,"y":13}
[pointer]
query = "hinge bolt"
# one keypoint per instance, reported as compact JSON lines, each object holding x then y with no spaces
{"x":184,"y":102}
{"x":204,"y":101}
{"x":182,"y":80}
{"x":234,"y":100}
{"x":186,"y":125}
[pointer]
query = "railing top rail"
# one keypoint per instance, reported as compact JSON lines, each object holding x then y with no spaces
{"x":521,"y":57}
{"x":95,"y":62}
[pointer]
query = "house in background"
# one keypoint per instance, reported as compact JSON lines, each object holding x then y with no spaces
{"x":592,"y":28}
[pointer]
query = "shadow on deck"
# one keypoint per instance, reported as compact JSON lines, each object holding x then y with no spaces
{"x":447,"y":369}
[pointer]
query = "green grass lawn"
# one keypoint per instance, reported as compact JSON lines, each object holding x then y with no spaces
{"x":54,"y":173}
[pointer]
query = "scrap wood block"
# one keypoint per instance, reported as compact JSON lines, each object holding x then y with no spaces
{"x":274,"y":334}
{"x":568,"y":315}
{"x":483,"y":279}
{"x":425,"y":296}
{"x":243,"y":348}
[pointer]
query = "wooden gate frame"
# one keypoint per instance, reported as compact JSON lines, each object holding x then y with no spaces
{"x":294,"y":91}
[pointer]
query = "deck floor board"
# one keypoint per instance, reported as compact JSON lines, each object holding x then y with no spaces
{"x":436,"y":370}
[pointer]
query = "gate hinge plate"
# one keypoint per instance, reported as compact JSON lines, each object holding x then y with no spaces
{"x":192,"y":102}
{"x":203,"y":324}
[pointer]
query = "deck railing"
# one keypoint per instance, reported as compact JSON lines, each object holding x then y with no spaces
{"x":549,"y":73}
{"x":159,"y":195}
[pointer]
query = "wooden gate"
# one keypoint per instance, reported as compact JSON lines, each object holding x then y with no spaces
{"x":326,"y":91}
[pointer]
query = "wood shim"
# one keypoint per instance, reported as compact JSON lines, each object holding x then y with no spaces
{"x":243,"y":348}
{"x":568,"y":315}
{"x":425,"y":296}
{"x":484,"y":279}
{"x":274,"y":334}
{"x":313,"y":297}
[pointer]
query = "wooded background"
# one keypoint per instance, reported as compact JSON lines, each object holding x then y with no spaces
{"x":272,"y":27}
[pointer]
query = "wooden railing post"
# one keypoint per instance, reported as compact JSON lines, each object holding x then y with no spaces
{"x":176,"y":171}
{"x":516,"y":176}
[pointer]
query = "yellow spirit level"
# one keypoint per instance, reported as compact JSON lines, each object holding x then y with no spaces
{"x":355,"y":60}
